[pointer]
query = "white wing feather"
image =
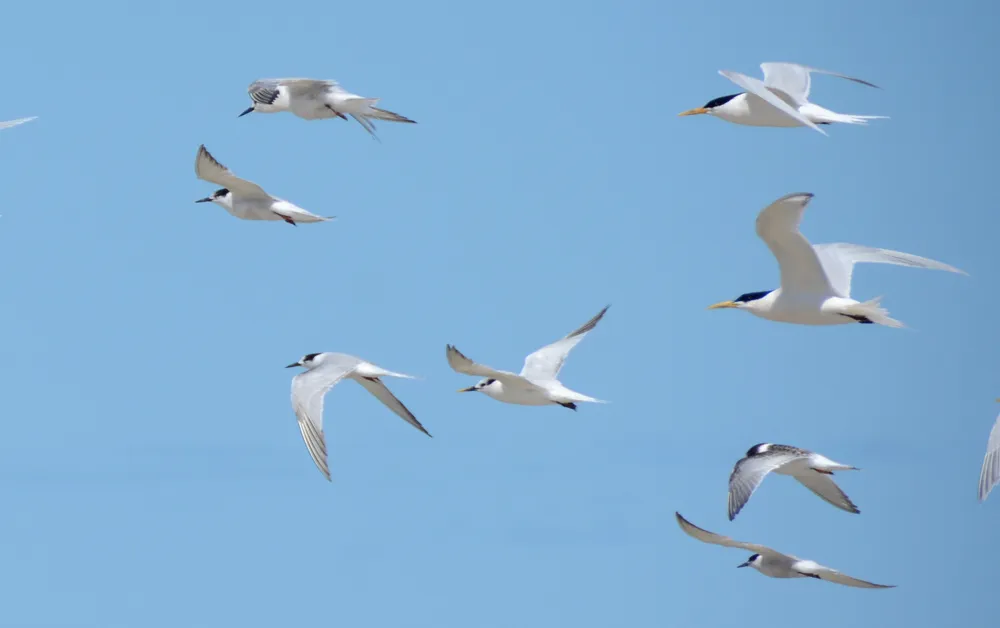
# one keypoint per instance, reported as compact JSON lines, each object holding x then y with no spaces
{"x":838,"y":260}
{"x":545,"y":364}
{"x":209,"y":169}
{"x":759,"y":89}
{"x":794,"y":79}
{"x":990,"y":475}
{"x":308,"y":390}
{"x":778,"y":226}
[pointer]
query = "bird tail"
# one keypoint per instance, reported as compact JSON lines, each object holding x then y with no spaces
{"x":872,"y":311}
{"x":847,"y":118}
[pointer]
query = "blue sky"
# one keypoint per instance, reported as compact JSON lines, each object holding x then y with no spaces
{"x":150,"y":467}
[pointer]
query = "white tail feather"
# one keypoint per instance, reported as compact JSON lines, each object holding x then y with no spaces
{"x":872,"y":311}
{"x":846,"y":118}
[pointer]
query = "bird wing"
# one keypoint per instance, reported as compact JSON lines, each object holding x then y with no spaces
{"x":10,"y":123}
{"x":717,"y":539}
{"x":381,"y":392}
{"x":750,"y":472}
{"x":794,"y":79}
{"x":209,"y":169}
{"x":545,"y":364}
{"x":778,"y":227}
{"x":811,"y":568}
{"x":824,"y":486}
{"x":308,"y":390}
{"x":458,"y":362}
{"x":838,"y":260}
{"x":308,"y":87}
{"x":759,"y":89}
{"x":990,"y":474}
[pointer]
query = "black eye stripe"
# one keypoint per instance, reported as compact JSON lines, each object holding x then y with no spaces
{"x":752,"y":296}
{"x":718,"y":102}
{"x":310,"y":357}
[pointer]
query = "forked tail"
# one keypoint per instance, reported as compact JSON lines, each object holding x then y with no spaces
{"x":847,"y":118}
{"x":872,"y":312}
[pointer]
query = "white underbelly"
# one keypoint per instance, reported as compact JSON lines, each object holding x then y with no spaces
{"x":803,"y":310}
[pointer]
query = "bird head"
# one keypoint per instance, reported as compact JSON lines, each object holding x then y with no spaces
{"x":308,"y":361}
{"x":223,"y":197}
{"x":711,"y":107}
{"x":748,"y":301}
{"x":480,"y":385}
{"x":753,"y":561}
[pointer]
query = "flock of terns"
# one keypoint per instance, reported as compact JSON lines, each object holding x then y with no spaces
{"x":815,"y":289}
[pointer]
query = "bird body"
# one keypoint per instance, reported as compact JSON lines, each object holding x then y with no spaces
{"x":314,"y":99}
{"x":780,"y":100}
{"x":773,"y":563}
{"x":537,"y":384}
{"x":816,"y":279}
{"x":323,"y":372}
{"x":812,"y":470}
{"x":245,"y":199}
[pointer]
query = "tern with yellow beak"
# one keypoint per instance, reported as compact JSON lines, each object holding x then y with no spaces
{"x":538,"y":383}
{"x":780,"y":100}
{"x":816,"y":280}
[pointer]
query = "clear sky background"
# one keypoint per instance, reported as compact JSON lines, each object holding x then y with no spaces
{"x":150,"y":469}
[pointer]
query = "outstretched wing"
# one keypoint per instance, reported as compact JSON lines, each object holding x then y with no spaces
{"x":824,"y":486}
{"x":717,"y":539}
{"x":750,"y":472}
{"x":811,"y":568}
{"x":311,"y":88}
{"x":381,"y":392}
{"x":990,"y":475}
{"x":209,"y":169}
{"x":759,"y":89}
{"x":838,"y":260}
{"x":794,"y":79}
{"x":545,"y":364}
{"x":461,"y":364}
{"x":10,"y":123}
{"x":308,"y":390}
{"x":778,"y":227}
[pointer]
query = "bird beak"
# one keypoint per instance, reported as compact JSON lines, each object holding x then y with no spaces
{"x":245,"y":112}
{"x":746,"y":564}
{"x":723,"y":305}
{"x":692,"y":112}
{"x":469,"y":389}
{"x":207,"y":199}
{"x":293,"y":365}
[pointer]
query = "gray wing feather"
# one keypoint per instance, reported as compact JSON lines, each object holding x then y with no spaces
{"x":990,"y":474}
{"x":546,"y":363}
{"x":308,"y":391}
{"x":750,"y":472}
{"x":824,"y":486}
{"x":381,"y":392}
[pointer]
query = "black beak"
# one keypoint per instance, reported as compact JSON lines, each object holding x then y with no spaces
{"x":245,"y":112}
{"x":746,"y":564}
{"x":207,"y":199}
{"x":291,"y":366}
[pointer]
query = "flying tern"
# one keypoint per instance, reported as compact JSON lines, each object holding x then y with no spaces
{"x":314,"y":99}
{"x":245,"y":199}
{"x":816,"y":279}
{"x":10,"y":123}
{"x":990,"y":474}
{"x":780,"y":100}
{"x":323,"y":372}
{"x":538,"y":383}
{"x":811,"y":469}
{"x":775,"y":564}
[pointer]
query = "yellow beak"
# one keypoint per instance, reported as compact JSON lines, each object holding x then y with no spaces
{"x":469,"y":389}
{"x":693,"y":112}
{"x":722,"y":305}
